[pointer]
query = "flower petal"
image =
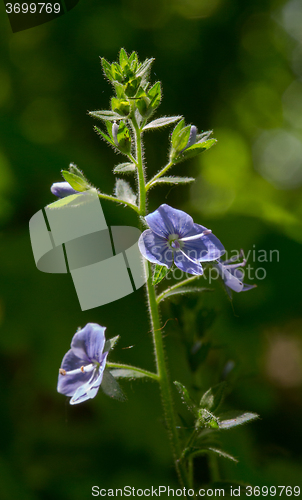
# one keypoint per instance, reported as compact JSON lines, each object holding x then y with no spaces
{"x":89,"y":342}
{"x":68,"y":384}
{"x":90,"y":389}
{"x":167,"y":220}
{"x":215,"y":248}
{"x":186,"y":265}
{"x":155,"y":248}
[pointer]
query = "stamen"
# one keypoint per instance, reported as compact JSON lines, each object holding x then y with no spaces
{"x":82,"y":369}
{"x":62,"y":371}
{"x":196,"y":236}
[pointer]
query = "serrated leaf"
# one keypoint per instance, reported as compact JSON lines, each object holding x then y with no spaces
{"x":213,"y":397}
{"x":124,"y":168}
{"x":105,"y":115}
{"x":161,"y":122}
{"x":123,"y":373}
{"x":111,"y":343}
{"x":160,"y":272}
{"x":186,"y":398}
{"x":185,"y":289}
{"x":110,"y":387}
{"x":173,"y":180}
{"x":124,"y":192}
{"x":76,"y":182}
{"x":237,"y":419}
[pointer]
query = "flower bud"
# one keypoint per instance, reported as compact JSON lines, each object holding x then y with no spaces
{"x":62,"y":189}
{"x":115,"y":128}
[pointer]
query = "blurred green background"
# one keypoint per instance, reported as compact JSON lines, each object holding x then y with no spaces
{"x":227,"y":65}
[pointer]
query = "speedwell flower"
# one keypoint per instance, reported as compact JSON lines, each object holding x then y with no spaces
{"x":62,"y":189}
{"x":81,"y":373}
{"x":174,"y":237}
{"x":231,"y":274}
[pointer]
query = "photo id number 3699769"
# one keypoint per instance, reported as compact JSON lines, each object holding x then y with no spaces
{"x":32,"y":8}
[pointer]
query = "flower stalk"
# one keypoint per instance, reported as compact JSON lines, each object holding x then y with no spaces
{"x":162,"y":372}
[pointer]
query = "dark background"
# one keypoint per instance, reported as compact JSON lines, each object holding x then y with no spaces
{"x":229,"y":65}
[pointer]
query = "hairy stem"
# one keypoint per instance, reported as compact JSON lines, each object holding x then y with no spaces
{"x":161,"y":296}
{"x":117,"y":200}
{"x":157,"y":176}
{"x":146,"y":373}
{"x":162,"y":372}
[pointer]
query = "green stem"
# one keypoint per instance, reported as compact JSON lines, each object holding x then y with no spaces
{"x":157,"y":176}
{"x":140,"y":168}
{"x":162,"y":373}
{"x":164,"y":381}
{"x":117,"y":200}
{"x":152,"y":375}
{"x":162,"y":295}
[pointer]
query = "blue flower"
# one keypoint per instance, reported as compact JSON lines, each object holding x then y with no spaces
{"x":231,"y":274}
{"x":174,"y":237}
{"x":83,"y":365}
{"x":62,"y":189}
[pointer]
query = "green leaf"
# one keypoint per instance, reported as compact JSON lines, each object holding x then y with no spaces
{"x":102,"y":134}
{"x":206,"y":419}
{"x":132,"y":87}
{"x":213,"y":397}
{"x":182,"y":290}
{"x":155,"y":95}
{"x":105,"y":115}
{"x":124,"y":168}
{"x":107,"y":69}
{"x":160,"y":272}
{"x":181,"y":140}
{"x":123,"y":373}
{"x":76,"y":171}
{"x":76,"y":182}
{"x":110,"y":387}
{"x":116,"y":72}
{"x":120,"y":106}
{"x":124,"y":192}
{"x":195,"y":150}
{"x":123,"y":58}
{"x":186,"y":398}
{"x":194,"y":451}
{"x":74,"y":200}
{"x":161,"y":122}
{"x":223,"y":454}
{"x":123,"y":138}
{"x":235,"y":419}
{"x":111,"y":343}
{"x":176,"y":131}
{"x":173,"y":180}
{"x":144,"y":68}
